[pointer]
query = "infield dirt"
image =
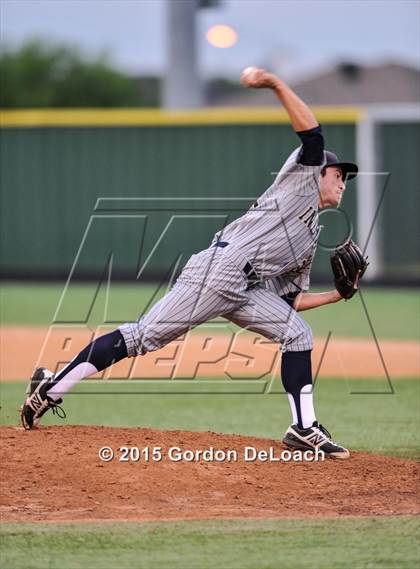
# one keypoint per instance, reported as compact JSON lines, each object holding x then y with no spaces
{"x":203,"y":355}
{"x":55,"y":474}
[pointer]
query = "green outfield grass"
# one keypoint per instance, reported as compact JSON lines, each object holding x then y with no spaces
{"x":269,"y":544}
{"x":380,"y":423}
{"x":393,"y":313}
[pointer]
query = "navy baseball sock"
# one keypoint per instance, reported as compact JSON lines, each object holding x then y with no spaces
{"x":101,"y":353}
{"x":97,"y":356}
{"x":296,"y":375}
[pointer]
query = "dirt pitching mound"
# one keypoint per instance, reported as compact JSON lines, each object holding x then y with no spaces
{"x":55,"y":474}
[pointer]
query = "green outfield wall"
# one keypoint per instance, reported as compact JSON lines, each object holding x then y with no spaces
{"x":399,"y":152}
{"x":123,"y":187}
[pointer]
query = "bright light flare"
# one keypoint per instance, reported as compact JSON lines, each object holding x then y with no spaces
{"x":221,"y":36}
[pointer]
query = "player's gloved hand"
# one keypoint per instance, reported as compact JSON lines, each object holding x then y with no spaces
{"x":348,"y":266}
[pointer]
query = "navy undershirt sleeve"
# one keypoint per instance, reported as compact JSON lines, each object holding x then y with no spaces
{"x":312,"y":151}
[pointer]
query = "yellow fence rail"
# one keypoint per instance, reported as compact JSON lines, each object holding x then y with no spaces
{"x":33,"y":118}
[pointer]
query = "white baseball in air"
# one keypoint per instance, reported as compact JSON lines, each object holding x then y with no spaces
{"x":249,"y":73}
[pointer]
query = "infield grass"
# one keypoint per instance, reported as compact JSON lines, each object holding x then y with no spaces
{"x":394,"y":313}
{"x":240,"y":544}
{"x":386,"y":423}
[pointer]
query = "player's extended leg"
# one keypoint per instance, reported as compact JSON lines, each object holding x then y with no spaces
{"x":272,"y":317}
{"x":185,"y":306}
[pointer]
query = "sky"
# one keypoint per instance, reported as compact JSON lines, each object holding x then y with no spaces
{"x":292,"y":37}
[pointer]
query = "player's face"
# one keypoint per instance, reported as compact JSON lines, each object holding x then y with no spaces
{"x":331,"y":187}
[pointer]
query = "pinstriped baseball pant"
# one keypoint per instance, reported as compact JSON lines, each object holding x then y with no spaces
{"x":211,"y":285}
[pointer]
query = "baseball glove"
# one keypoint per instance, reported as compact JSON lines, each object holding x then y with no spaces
{"x":348,"y":266}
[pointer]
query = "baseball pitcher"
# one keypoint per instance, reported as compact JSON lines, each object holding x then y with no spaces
{"x":255,"y":273}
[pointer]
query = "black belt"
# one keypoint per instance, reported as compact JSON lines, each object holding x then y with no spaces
{"x":250,"y":274}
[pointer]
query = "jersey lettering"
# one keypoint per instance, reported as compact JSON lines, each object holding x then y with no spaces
{"x":309,"y":218}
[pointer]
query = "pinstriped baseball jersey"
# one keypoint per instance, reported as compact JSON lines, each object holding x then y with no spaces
{"x":293,"y":281}
{"x":279,"y":233}
{"x":278,"y":237}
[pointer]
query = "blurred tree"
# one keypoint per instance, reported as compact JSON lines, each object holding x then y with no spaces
{"x":41,"y":74}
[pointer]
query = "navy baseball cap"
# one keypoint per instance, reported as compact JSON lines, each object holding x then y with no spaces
{"x":349,"y":169}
